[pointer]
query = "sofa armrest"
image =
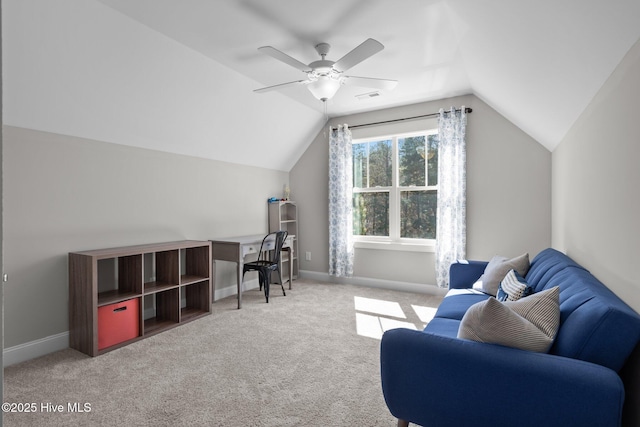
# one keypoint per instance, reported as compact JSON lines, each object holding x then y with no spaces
{"x":433,"y":380}
{"x":463,"y":274}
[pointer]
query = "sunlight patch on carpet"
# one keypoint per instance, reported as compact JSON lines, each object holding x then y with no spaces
{"x":374,"y":326}
{"x":375,"y":316}
{"x":377,"y":306}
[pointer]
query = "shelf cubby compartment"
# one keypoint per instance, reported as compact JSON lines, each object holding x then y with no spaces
{"x":161,"y":271}
{"x":194,"y":301}
{"x":161,"y":311}
{"x":195,"y":264}
{"x":288,"y":212}
{"x":119,"y":279}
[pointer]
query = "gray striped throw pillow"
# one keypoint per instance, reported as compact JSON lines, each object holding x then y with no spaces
{"x":530,"y":323}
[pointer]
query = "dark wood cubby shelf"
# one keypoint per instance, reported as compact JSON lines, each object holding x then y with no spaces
{"x":171,"y":283}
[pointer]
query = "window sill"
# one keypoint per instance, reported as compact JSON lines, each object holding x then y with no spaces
{"x":395,"y":246}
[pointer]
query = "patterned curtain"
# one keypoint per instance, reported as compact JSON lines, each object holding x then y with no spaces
{"x":340,"y":202}
{"x":451,"y":226}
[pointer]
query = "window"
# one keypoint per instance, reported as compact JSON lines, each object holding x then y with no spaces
{"x":395,"y":185}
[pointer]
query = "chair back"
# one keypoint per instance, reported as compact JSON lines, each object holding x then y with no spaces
{"x":279,"y":237}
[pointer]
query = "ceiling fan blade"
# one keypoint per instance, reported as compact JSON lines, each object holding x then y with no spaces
{"x":370,"y":82}
{"x":281,"y":86}
{"x":281,"y":56}
{"x":366,"y":49}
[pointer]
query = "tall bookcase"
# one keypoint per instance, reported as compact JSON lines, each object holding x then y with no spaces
{"x":283,"y":215}
{"x":161,"y":285}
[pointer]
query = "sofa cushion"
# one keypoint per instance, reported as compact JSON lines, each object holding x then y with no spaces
{"x":595,"y":325}
{"x":443,"y":327}
{"x":513,"y":287}
{"x":457,"y":301}
{"x":530,"y":323}
{"x":545,"y":266}
{"x":498,"y":267}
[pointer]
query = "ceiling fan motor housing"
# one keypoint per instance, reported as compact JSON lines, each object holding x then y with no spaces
{"x":322,"y":67}
{"x":323,"y":49}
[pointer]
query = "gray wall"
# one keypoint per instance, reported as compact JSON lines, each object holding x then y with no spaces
{"x":66,"y":194}
{"x":67,"y":70}
{"x":596,"y":173}
{"x":508,"y":193}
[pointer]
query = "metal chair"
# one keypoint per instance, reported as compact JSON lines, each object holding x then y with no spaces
{"x":268,"y":261}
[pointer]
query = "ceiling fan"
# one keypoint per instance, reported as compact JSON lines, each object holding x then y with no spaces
{"x":324,"y":77}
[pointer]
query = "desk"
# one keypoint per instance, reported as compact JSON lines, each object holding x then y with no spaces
{"x":235,"y":249}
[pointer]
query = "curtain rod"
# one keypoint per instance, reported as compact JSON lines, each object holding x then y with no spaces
{"x":466,"y":110}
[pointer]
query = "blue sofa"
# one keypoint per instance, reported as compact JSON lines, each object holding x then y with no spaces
{"x":432,"y":378}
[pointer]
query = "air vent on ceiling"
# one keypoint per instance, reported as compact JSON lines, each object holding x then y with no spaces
{"x":368,"y":95}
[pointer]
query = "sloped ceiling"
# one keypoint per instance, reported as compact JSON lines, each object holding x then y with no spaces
{"x":537,"y":63}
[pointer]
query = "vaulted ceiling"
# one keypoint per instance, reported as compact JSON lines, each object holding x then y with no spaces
{"x":538,"y":63}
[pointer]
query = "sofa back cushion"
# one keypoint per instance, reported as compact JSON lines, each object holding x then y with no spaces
{"x":545,"y":266}
{"x":595,"y":325}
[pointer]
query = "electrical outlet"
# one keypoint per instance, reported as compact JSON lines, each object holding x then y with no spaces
{"x":307,"y":256}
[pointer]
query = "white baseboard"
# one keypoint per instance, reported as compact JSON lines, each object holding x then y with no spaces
{"x":33,"y":349}
{"x":419,"y":288}
{"x":40,"y":347}
{"x":57,"y":342}
{"x":233,"y":289}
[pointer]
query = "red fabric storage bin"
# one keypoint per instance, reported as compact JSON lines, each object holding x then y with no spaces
{"x":118,"y":322}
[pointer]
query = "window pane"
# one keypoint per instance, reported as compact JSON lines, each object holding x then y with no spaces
{"x":432,"y":159}
{"x":372,"y":164}
{"x":380,"y":163}
{"x":360,"y":160}
{"x":418,"y":214}
{"x":412,"y":154}
{"x":371,"y":214}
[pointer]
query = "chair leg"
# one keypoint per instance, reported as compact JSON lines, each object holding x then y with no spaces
{"x":242,"y":281}
{"x":281,"y":284}
{"x":266,"y":286}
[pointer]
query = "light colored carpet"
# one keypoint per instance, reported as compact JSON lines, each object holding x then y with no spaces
{"x":308,"y":359}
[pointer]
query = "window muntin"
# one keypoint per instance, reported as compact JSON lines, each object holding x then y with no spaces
{"x":395,"y":187}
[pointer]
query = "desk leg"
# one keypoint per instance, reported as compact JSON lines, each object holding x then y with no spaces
{"x":213,"y":280}
{"x":239,"y":275}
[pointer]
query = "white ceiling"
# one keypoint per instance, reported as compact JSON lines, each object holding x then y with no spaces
{"x":179,"y":75}
{"x":537,"y":63}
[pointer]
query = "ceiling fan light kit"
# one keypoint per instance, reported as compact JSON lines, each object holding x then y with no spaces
{"x":324,"y":88}
{"x":324,"y":77}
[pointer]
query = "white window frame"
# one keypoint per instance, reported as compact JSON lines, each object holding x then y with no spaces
{"x":394,"y":241}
